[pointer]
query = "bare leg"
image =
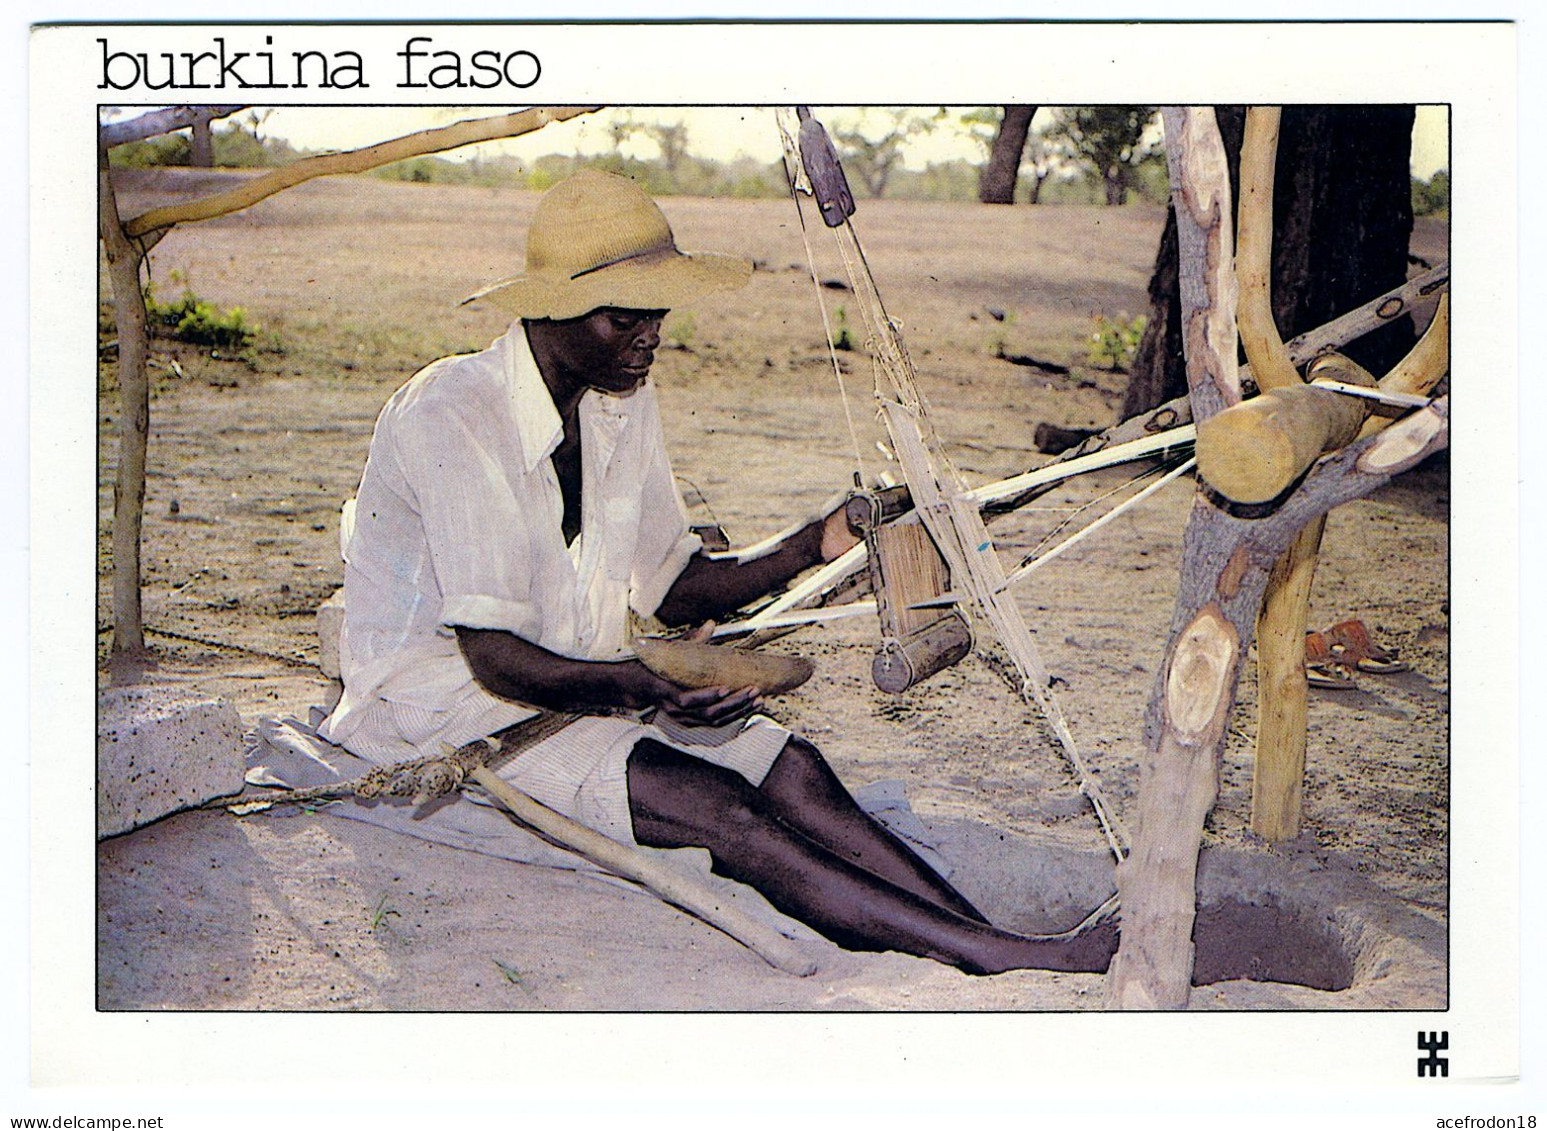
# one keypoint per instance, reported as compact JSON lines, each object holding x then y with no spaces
{"x":807,"y":796}
{"x":677,"y":800}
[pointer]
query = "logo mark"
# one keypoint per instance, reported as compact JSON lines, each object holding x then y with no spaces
{"x":1433,"y":1064}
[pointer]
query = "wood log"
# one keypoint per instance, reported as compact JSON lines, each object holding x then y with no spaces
{"x":1185,"y":724}
{"x":1253,"y":451}
{"x":1179,"y":783}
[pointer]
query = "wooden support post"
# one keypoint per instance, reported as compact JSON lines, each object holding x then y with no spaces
{"x":123,"y":259}
{"x":1185,"y":725}
{"x":1282,"y":709}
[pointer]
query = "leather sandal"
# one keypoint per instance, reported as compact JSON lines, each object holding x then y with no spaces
{"x":1350,"y":643}
{"x":1323,"y":667}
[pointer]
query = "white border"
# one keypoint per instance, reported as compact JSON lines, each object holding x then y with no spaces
{"x":1469,"y":66}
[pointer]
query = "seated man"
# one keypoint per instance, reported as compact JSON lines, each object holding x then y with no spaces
{"x":516,"y":506}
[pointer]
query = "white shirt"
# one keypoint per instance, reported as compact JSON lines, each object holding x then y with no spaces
{"x":458,"y":521}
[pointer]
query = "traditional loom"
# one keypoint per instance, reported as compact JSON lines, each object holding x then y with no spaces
{"x":907,"y":574}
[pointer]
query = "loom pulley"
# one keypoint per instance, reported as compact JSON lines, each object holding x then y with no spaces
{"x":906,"y":569}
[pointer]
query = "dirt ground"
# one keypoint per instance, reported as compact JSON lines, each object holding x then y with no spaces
{"x":355,"y":283}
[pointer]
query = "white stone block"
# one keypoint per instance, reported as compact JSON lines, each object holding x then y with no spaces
{"x":160,"y":750}
{"x":330,"y":626}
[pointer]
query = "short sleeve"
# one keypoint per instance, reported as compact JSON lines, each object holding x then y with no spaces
{"x":478,"y":509}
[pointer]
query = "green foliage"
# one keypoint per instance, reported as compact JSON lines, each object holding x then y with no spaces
{"x":191,"y":319}
{"x":381,"y":913}
{"x":1432,"y":197}
{"x":844,"y":339}
{"x":432,"y":170}
{"x":237,"y":144}
{"x":1150,"y":179}
{"x":1114,"y":342}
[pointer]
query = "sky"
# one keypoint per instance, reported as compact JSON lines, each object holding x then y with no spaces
{"x":720,"y":133}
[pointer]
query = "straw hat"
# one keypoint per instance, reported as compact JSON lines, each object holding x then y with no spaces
{"x":597,"y":240}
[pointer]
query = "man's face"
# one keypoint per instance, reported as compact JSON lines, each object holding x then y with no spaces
{"x":611,"y":349}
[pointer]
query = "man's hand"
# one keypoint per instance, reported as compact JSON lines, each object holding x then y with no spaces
{"x":705,"y":706}
{"x":711,"y":706}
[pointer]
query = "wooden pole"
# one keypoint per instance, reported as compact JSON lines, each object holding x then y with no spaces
{"x":354,"y":161}
{"x":1255,"y":456}
{"x":778,"y":951}
{"x":1185,"y":725}
{"x":123,"y":259}
{"x":125,"y":245}
{"x":1278,"y":773}
{"x":1265,"y":351}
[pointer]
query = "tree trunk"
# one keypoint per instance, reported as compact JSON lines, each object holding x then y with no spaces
{"x":1158,"y":364}
{"x":1342,"y":220}
{"x":997,"y":183}
{"x":1115,"y":182}
{"x":202,"y":153}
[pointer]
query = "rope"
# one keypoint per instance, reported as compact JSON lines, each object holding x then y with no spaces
{"x":1033,"y":561}
{"x":791,"y":147}
{"x":420,"y":779}
{"x":948,"y":512}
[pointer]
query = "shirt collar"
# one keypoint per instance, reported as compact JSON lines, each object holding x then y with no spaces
{"x":537,"y":419}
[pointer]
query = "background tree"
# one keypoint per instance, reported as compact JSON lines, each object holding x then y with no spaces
{"x":1044,"y":156}
{"x":202,"y":149}
{"x":670,"y":138}
{"x":997,"y":183}
{"x":1107,"y":139}
{"x":872,"y":148}
{"x":1342,"y":219}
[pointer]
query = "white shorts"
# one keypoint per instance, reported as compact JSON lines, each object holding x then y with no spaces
{"x":582,"y":771}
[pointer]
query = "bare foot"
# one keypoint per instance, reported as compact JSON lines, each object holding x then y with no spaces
{"x":1089,"y":952}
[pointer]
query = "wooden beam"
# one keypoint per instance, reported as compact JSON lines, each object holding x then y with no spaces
{"x":1253,"y":451}
{"x":354,"y":161}
{"x":159,"y":122}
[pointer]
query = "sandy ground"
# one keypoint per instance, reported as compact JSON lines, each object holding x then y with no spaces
{"x":355,"y":284}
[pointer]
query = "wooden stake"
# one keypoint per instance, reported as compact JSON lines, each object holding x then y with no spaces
{"x":1265,"y":351}
{"x":769,"y":945}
